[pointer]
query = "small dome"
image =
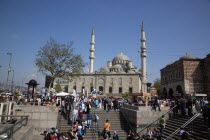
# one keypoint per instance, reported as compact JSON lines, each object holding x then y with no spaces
{"x":112,"y":72}
{"x":187,"y":56}
{"x":104,"y":69}
{"x":117,"y":66}
{"x":121,"y":56}
{"x":131,"y":72}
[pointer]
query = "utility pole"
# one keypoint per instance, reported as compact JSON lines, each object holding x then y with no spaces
{"x":9,"y":69}
{"x":12,"y":81}
{"x":0,"y":78}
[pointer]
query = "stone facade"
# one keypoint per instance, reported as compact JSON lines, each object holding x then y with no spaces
{"x":186,"y":76}
{"x":207,"y":75}
{"x":107,"y":83}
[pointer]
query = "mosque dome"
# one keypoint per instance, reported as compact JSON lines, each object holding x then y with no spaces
{"x":121,"y":56}
{"x":131,"y":72}
{"x":104,"y":69}
{"x":121,"y":72}
{"x":117,"y":66}
{"x":187,"y":56}
{"x":112,"y":72}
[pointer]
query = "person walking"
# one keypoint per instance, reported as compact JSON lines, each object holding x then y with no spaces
{"x":107,"y":128}
{"x":162,"y":123}
{"x":89,"y":119}
{"x":189,"y":106}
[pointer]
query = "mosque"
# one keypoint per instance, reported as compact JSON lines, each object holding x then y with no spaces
{"x":119,"y":76}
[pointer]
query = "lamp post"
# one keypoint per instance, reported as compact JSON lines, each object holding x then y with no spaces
{"x":0,"y":77}
{"x":9,"y":69}
{"x":12,"y":81}
{"x":22,"y":84}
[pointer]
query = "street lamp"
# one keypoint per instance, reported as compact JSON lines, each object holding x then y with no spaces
{"x":12,"y":81}
{"x":9,"y":69}
{"x":0,"y":77}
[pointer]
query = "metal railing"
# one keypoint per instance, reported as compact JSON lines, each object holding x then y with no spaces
{"x":156,"y":121}
{"x":95,"y":128}
{"x":183,"y":126}
{"x":7,"y":133}
{"x":58,"y":118}
{"x":128,"y":124}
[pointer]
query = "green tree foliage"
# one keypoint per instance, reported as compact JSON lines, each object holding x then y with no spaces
{"x":58,"y":87}
{"x":126,"y":95}
{"x":157,"y":85}
{"x":59,"y":60}
{"x":66,"y":88}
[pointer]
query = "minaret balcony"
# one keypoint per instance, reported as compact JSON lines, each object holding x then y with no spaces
{"x":92,"y":50}
{"x":91,"y":57}
{"x":143,"y":55}
{"x":143,"y":40}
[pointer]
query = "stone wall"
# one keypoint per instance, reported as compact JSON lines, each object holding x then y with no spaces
{"x":185,"y":73}
{"x":107,"y":81}
{"x":207,"y":75}
{"x":143,"y":115}
{"x":41,"y":117}
{"x":193,"y":75}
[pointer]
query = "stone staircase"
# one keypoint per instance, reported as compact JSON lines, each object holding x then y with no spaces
{"x":115,"y":119}
{"x":64,"y":126}
{"x":199,"y":132}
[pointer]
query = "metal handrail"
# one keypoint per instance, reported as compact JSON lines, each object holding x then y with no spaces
{"x":128,"y":123}
{"x":156,"y":119}
{"x":94,"y":130}
{"x":183,"y":126}
{"x":58,"y":118}
{"x":10,"y":128}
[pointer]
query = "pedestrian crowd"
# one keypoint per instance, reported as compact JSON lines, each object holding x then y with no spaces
{"x":80,"y":114}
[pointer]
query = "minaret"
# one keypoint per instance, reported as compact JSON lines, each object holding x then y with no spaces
{"x":143,"y":60}
{"x":92,"y":50}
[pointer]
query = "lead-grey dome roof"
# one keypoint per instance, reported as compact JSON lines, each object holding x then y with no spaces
{"x":104,"y":69}
{"x":121,"y":56}
{"x":131,"y":72}
{"x":187,"y":56}
{"x":117,"y":66}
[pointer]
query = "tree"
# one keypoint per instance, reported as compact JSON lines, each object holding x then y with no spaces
{"x":157,"y":85}
{"x":66,"y":88}
{"x":59,"y":60}
{"x":126,"y":95}
{"x":58,"y":87}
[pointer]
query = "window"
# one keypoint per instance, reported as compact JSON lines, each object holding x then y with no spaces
{"x":120,"y":90}
{"x":91,"y":89}
{"x":75,"y":87}
{"x":111,"y":82}
{"x":110,"y":89}
{"x":120,"y":81}
{"x":83,"y":81}
{"x":130,"y":89}
{"x":130,"y":80}
{"x":83,"y":88}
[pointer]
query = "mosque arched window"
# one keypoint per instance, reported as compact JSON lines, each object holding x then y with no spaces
{"x":83,"y":81}
{"x":120,"y":81}
{"x":130,"y":80}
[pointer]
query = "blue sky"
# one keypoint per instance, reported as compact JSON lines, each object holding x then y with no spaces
{"x":173,"y":28}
